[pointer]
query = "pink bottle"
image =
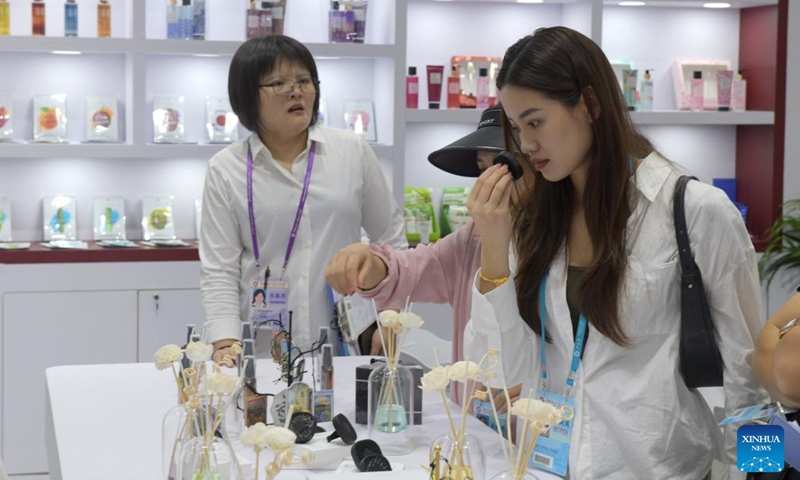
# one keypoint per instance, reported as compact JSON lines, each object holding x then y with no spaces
{"x":696,"y":101}
{"x":412,"y":88}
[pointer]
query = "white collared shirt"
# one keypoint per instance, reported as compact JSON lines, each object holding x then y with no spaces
{"x":635,"y":418}
{"x":347,"y":191}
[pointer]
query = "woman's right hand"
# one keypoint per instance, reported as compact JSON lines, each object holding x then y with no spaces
{"x":489,"y":204}
{"x":223,"y":353}
{"x":355,"y":267}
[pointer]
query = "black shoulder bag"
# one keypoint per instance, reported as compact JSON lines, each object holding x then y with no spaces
{"x":700,"y":360}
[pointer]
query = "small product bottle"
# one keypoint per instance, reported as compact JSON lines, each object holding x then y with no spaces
{"x":349,"y":30}
{"x":103,"y":19}
{"x":277,"y":18}
{"x":5,"y":18}
{"x":70,"y":19}
{"x":187,"y":20}
{"x":412,"y":88}
{"x":253,"y":23}
{"x":37,"y":18}
{"x":646,"y":102}
{"x":739,"y":93}
{"x":173,"y":19}
{"x":696,"y":99}
{"x":482,"y":94}
{"x":265,"y":19}
{"x":326,"y":369}
{"x":199,"y":25}
{"x":453,"y":89}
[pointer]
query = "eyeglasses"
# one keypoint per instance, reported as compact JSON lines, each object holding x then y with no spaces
{"x":307,"y":85}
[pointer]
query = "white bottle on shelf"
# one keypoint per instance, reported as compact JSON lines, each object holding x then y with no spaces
{"x":739,"y":93}
{"x":646,"y":102}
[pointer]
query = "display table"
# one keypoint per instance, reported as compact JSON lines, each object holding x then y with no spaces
{"x":104,"y":421}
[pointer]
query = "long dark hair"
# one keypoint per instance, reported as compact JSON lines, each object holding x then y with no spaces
{"x":566,"y":66}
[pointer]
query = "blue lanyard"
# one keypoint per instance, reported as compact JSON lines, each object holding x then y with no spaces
{"x":577,"y":351}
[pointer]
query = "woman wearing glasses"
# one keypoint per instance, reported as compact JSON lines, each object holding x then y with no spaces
{"x":279,"y":203}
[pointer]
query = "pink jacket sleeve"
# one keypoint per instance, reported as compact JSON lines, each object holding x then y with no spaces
{"x":428,"y":273}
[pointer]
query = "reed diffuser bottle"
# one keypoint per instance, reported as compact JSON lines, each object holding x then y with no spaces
{"x":103,"y":19}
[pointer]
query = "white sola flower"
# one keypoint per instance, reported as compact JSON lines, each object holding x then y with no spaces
{"x":221,"y":383}
{"x":535,"y":410}
{"x":410,"y":321}
{"x":389,"y":318}
{"x":255,"y":436}
{"x":437,"y":379}
{"x":464,"y":369}
{"x":167,"y":355}
{"x":280,"y":438}
{"x":199,"y":351}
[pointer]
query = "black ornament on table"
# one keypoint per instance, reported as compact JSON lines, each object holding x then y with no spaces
{"x":303,"y":425}
{"x":343,"y":429}
{"x":368,"y":457}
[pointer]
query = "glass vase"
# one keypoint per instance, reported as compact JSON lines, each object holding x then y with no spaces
{"x":208,"y":458}
{"x":390,"y":408}
{"x":175,"y":432}
{"x":506,"y":475}
{"x":460,"y":460}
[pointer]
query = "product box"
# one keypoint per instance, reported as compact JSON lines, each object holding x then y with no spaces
{"x":362,"y":390}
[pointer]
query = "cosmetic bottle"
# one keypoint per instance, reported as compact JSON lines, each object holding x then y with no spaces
{"x":37,"y":18}
{"x":199,"y":22}
{"x":326,"y":368}
{"x":5,"y":18}
{"x":646,"y":102}
{"x":103,"y":19}
{"x":253,"y":23}
{"x":173,"y":19}
{"x":630,"y":78}
{"x":187,"y":20}
{"x":435,"y":77}
{"x":696,"y":99}
{"x":724,"y":84}
{"x":360,"y":13}
{"x":349,"y":30}
{"x":482,"y":89}
{"x":70,"y":19}
{"x":739,"y":93}
{"x":412,"y":88}
{"x":265,"y":19}
{"x":453,"y":89}
{"x":277,"y":17}
{"x":335,"y":23}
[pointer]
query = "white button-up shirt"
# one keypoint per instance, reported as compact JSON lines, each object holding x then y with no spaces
{"x":347,"y":191}
{"x":635,"y":417}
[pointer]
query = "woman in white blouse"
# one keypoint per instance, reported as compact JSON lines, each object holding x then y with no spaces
{"x":594,"y":241}
{"x":278,"y":204}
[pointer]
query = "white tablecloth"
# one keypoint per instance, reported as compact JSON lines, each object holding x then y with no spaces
{"x":104,"y":421}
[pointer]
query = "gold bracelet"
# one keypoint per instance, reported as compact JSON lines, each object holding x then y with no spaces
{"x":495,"y":281}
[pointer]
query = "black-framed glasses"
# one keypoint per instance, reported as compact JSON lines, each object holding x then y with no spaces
{"x":307,"y":85}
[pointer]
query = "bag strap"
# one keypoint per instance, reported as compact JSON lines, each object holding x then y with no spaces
{"x":681,"y":231}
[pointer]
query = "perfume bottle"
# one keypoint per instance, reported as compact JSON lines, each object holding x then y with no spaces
{"x":646,"y":102}
{"x":187,"y":20}
{"x":199,"y":26}
{"x":412,"y":88}
{"x":103,"y":19}
{"x":453,"y":89}
{"x":326,"y":369}
{"x":37,"y":18}
{"x":253,"y":24}
{"x":5,"y":18}
{"x":482,"y":94}
{"x":696,"y":99}
{"x":70,"y":19}
{"x":739,"y":93}
{"x":173,"y":19}
{"x":265,"y":19}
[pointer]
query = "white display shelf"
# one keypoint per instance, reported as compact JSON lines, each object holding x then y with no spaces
{"x":177,"y":47}
{"x":670,"y":117}
{"x":113,"y":151}
{"x":461,"y":115}
{"x":677,"y":117}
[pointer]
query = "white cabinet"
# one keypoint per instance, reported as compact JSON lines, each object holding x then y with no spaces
{"x":163,"y":316}
{"x":45,"y":329}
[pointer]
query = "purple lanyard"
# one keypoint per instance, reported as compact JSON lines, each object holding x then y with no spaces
{"x":298,"y":215}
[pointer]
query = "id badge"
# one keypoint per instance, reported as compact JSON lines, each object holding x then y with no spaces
{"x":751,"y":414}
{"x":551,"y":453}
{"x":270,"y":303}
